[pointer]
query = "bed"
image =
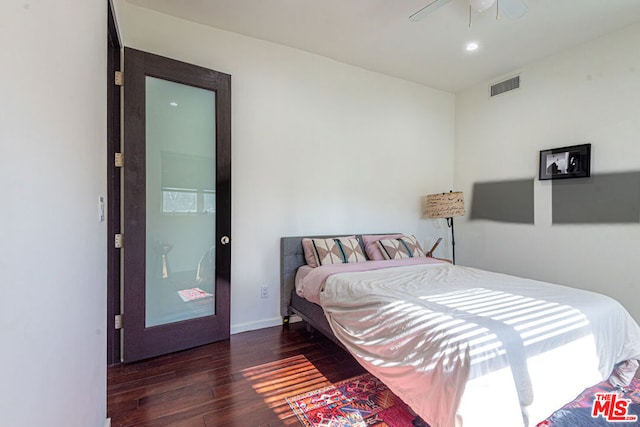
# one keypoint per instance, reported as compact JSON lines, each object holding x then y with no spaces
{"x":463,"y":346}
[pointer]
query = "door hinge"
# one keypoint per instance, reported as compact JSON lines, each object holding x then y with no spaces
{"x":118,"y":160}
{"x":119,"y":78}
{"x":118,"y":321}
{"x":118,"y":241}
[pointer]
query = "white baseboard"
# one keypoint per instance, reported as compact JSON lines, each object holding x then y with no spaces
{"x":252,"y":326}
{"x":107,"y":422}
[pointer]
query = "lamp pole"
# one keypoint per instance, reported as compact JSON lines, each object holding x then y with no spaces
{"x":453,"y":239}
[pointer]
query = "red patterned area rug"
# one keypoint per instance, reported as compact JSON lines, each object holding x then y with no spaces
{"x":362,"y":401}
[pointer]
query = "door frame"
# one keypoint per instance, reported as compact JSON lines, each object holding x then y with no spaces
{"x":176,"y":336}
{"x":114,"y":47}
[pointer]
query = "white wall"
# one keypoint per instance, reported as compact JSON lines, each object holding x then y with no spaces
{"x":318,"y":147}
{"x":53,"y":252}
{"x":590,"y":93}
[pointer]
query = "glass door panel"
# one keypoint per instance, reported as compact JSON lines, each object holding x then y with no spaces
{"x":180,"y":202}
{"x":176,"y":216}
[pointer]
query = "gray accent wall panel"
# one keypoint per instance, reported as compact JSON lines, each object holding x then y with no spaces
{"x":604,"y":198}
{"x":504,"y":201}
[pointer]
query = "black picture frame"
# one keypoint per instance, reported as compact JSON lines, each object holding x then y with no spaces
{"x":565,"y":162}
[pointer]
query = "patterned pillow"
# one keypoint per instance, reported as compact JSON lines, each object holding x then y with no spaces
{"x":309,"y":253}
{"x":371,"y":247}
{"x":338,"y":250}
{"x":403,"y":247}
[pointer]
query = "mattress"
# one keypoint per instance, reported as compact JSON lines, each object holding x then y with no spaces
{"x":463,"y":345}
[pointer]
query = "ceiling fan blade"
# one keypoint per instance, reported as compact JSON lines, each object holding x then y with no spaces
{"x":514,"y":9}
{"x":435,"y":4}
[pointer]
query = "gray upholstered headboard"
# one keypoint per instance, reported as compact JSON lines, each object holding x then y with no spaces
{"x":291,"y":258}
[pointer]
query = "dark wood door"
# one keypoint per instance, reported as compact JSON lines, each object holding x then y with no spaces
{"x":177,"y":205}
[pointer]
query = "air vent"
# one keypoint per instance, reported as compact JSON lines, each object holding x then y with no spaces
{"x":505,"y":86}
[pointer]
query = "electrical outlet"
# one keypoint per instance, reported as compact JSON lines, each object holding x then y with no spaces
{"x":264,"y":291}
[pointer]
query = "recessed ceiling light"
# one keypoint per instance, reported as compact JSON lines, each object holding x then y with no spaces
{"x":472,"y":46}
{"x":173,"y":104}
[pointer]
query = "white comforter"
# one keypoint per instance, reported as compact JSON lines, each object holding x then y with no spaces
{"x":486,"y":349}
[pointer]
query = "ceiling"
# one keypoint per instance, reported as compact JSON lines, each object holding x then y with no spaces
{"x":377,"y":34}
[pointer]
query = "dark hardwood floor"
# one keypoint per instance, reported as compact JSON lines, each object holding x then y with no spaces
{"x":240,"y":382}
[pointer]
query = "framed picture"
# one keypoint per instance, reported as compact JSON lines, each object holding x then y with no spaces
{"x":566,"y":162}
